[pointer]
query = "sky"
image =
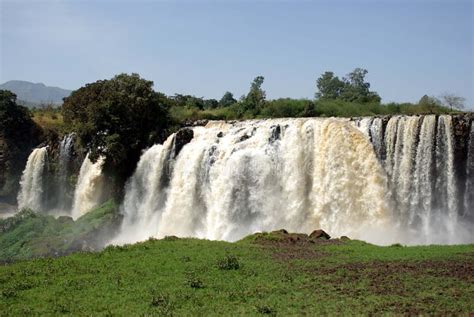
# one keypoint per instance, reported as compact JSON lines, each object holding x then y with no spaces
{"x":204,"y":48}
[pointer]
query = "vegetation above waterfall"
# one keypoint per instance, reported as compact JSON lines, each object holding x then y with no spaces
{"x":124,"y":98}
{"x":265,"y":274}
{"x":116,"y":119}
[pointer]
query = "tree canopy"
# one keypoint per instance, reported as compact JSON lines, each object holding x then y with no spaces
{"x":13,"y":118}
{"x":227,"y":99}
{"x":117,"y":118}
{"x":255,"y":99}
{"x":352,"y":88}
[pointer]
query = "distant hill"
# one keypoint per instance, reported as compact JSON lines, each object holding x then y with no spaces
{"x":31,"y":94}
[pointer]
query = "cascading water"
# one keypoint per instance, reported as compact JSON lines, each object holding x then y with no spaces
{"x":89,"y":188}
{"x":382,"y":181}
{"x":31,"y":183}
{"x":469,"y":191}
{"x":376,"y":134}
{"x":235,"y":179}
{"x":65,"y":151}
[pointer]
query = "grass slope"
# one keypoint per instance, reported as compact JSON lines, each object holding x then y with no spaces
{"x":274,"y":274}
{"x":28,"y":234}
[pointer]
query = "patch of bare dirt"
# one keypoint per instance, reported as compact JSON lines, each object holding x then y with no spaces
{"x":387,"y":278}
{"x":286,"y":246}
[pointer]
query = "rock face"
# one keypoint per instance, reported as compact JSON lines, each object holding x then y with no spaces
{"x":183,"y":137}
{"x":319,"y":234}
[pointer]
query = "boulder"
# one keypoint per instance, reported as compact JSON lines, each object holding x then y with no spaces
{"x":319,"y":234}
{"x":65,"y":219}
{"x":183,"y":137}
{"x":281,"y":231}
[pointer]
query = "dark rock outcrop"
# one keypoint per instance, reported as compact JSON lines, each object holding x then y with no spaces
{"x":319,"y":234}
{"x":183,"y":137}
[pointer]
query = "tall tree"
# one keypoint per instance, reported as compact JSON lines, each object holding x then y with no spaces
{"x":453,"y":101}
{"x":429,"y":104}
{"x":255,"y":99}
{"x":18,"y":134}
{"x":116,"y":119}
{"x":329,"y":86}
{"x":227,"y":99}
{"x":352,"y":88}
{"x":356,"y":89}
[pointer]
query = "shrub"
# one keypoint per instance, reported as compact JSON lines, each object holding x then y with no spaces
{"x":193,"y":281}
{"x":266,"y":310}
{"x":162,"y":302}
{"x":229,"y":262}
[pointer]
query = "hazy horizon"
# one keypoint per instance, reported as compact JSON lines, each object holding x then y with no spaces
{"x":204,"y":48}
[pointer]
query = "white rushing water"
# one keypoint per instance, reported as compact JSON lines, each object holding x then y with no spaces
{"x":65,"y":151}
{"x":381,"y":180}
{"x":31,"y":183}
{"x":469,"y":187}
{"x":89,"y":188}
{"x":350,"y":178}
{"x":298,"y":174}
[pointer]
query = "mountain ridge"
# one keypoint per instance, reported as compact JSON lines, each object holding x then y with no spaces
{"x":31,"y":94}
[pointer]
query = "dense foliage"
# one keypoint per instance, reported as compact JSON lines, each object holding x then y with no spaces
{"x":352,"y":88}
{"x":347,"y":97}
{"x":117,"y":119}
{"x":18,"y":134}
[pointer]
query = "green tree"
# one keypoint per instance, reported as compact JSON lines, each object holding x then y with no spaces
{"x":195,"y":103}
{"x":329,"y":86}
{"x":13,"y":118}
{"x":18,"y":135}
{"x":356,"y":89}
{"x":255,"y":99}
{"x":211,"y":104}
{"x":309,"y":109}
{"x":117,"y":119}
{"x":227,"y":100}
{"x":428,"y":104}
{"x":352,"y":88}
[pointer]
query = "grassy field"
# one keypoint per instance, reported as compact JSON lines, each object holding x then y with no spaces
{"x":274,"y":274}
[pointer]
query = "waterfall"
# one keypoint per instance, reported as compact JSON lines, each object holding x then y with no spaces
{"x":421,"y":200}
{"x":376,"y":134}
{"x":65,"y":151}
{"x":31,"y":183}
{"x":469,"y":191}
{"x":445,"y":186}
{"x":89,"y":188}
{"x":236,"y":179}
{"x":383,"y":181}
{"x":145,"y":194}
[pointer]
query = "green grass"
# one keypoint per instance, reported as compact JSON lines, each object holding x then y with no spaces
{"x":186,"y":277}
{"x":28,"y":234}
{"x":49,"y":119}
